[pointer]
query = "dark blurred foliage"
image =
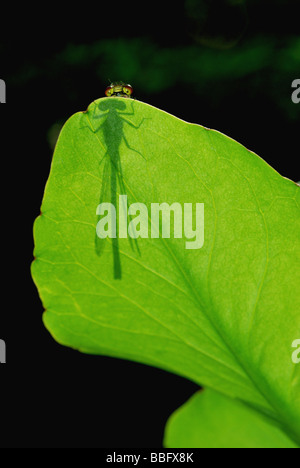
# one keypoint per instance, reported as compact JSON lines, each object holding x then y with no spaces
{"x":218,"y":23}
{"x":225,"y":64}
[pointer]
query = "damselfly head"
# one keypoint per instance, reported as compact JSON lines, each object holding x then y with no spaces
{"x":119,"y":89}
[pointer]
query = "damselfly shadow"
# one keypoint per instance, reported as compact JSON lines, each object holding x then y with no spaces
{"x":111,"y":113}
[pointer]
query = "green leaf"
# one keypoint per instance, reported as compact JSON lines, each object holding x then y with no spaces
{"x":211,"y":420}
{"x":224,"y":315}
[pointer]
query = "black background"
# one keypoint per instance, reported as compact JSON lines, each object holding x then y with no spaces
{"x":52,"y":396}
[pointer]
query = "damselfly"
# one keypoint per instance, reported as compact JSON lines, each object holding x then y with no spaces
{"x":112,"y":115}
{"x":119,"y":89}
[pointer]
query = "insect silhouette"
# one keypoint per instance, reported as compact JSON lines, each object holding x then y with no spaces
{"x":112,"y":120}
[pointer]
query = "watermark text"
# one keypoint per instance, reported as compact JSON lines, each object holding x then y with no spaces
{"x":296,"y":353}
{"x":2,"y":92}
{"x":163,"y":220}
{"x":2,"y":352}
{"x":296,"y":93}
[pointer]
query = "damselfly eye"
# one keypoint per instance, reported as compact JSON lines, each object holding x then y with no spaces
{"x":109,"y":91}
{"x":127,"y":90}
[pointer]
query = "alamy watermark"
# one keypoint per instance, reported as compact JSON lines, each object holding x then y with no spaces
{"x":296,"y":93}
{"x":2,"y":352}
{"x":166,"y":221}
{"x":2,"y":92}
{"x":296,"y":353}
